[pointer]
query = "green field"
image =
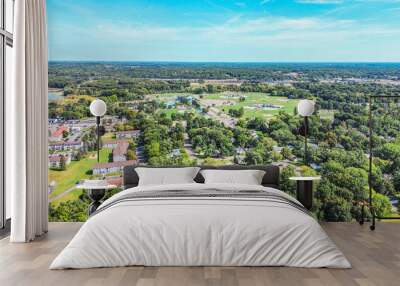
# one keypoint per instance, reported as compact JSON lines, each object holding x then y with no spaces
{"x":225,"y":103}
{"x":76,"y":171}
{"x":71,"y":196}
{"x":327,"y":114}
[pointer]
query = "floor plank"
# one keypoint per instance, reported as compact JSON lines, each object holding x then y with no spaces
{"x":375,"y":257}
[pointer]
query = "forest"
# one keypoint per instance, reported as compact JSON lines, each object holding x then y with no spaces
{"x":339,"y":144}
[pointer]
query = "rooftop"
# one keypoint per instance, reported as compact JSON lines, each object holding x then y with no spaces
{"x":59,"y":131}
{"x":121,"y":149}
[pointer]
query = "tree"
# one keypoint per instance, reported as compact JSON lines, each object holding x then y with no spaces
{"x":285,"y":184}
{"x":131,"y":155}
{"x":254,"y":158}
{"x":69,"y":211}
{"x":396,"y":180}
{"x":286,"y":153}
{"x":331,"y":139}
{"x":337,"y":209}
{"x":236,"y":112}
{"x":276,"y":156}
{"x":63,"y":165}
{"x":210,"y":88}
{"x":382,"y":205}
{"x":283,"y":136}
{"x":65,"y":134}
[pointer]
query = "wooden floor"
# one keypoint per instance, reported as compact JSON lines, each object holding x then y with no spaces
{"x":375,"y":257}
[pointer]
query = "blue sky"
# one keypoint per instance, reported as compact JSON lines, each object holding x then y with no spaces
{"x":222,"y":30}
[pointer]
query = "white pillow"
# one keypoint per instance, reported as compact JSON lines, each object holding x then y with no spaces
{"x":166,"y":176}
{"x":248,"y":177}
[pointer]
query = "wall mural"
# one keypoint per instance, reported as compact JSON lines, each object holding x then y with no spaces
{"x":207,"y":113}
{"x":194,"y":120}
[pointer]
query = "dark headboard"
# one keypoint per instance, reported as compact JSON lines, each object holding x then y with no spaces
{"x":271,"y":178}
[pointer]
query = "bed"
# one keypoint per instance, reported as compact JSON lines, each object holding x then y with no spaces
{"x":198,"y":224}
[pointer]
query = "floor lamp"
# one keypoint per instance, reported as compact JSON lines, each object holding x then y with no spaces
{"x":305,"y":108}
{"x":98,"y":108}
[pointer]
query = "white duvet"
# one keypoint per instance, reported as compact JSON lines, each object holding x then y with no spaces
{"x":200,"y":231}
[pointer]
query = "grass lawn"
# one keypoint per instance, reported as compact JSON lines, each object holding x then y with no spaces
{"x":171,"y":111}
{"x":71,"y":196}
{"x":76,"y":171}
{"x":253,"y":98}
{"x":108,"y":136}
{"x":326,"y":114}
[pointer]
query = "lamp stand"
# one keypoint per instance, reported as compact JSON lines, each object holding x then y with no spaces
{"x":98,"y":137}
{"x":305,"y":140}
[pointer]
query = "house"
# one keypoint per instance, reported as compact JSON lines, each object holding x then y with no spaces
{"x":65,"y":146}
{"x":120,"y":152}
{"x":114,"y":167}
{"x":56,"y":146}
{"x":116,"y":181}
{"x":55,"y":160}
{"x":59,"y":132}
{"x":56,"y":132}
{"x":73,"y":145}
{"x":113,"y":143}
{"x":127,"y":134}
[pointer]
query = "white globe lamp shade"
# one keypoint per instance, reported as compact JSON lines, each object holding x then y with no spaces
{"x":306,"y":107}
{"x":98,"y":107}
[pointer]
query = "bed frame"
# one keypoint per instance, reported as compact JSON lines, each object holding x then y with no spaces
{"x":271,"y":177}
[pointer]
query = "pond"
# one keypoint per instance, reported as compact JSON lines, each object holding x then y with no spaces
{"x":54,"y":95}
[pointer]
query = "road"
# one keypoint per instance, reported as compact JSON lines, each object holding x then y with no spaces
{"x":188,"y":146}
{"x":59,"y":196}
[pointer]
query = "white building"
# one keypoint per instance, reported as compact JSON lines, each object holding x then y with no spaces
{"x":114,"y":167}
{"x":127,"y":134}
{"x":56,"y":159}
{"x":113,"y":143}
{"x":65,"y":146}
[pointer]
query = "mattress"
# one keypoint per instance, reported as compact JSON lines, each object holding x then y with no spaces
{"x":201,"y":225}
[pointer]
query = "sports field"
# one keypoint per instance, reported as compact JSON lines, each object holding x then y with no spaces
{"x":255,"y":104}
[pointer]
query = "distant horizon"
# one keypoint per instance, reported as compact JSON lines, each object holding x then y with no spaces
{"x":226,"y":62}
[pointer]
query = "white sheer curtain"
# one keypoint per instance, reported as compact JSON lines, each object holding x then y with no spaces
{"x":26,"y":116}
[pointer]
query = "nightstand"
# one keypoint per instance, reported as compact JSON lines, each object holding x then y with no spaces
{"x":304,"y":191}
{"x":96,"y":189}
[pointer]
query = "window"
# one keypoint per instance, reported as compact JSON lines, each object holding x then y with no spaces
{"x":6,"y":43}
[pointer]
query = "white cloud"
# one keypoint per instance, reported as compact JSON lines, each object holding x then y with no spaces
{"x":263,"y":2}
{"x":262,"y":38}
